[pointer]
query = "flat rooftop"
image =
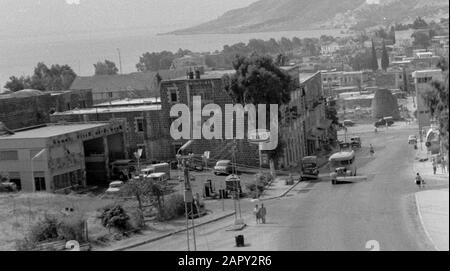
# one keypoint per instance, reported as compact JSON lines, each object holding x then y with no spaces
{"x":104,"y":110}
{"x":217,"y":74}
{"x":52,"y":130}
{"x":128,"y":101}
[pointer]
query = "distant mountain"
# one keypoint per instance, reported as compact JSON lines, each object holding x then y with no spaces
{"x":283,"y":15}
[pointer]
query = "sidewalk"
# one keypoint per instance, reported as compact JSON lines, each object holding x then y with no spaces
{"x":433,"y":204}
{"x":433,"y":208}
{"x":159,"y":231}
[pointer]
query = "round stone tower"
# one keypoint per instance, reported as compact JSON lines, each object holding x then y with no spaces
{"x":385,"y":104}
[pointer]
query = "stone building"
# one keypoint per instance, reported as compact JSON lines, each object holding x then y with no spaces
{"x":120,"y":86}
{"x":385,"y":104}
{"x":142,"y":124}
{"x":210,"y":88}
{"x":30,"y":107}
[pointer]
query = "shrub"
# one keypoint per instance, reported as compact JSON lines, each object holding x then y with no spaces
{"x":115,"y":217}
{"x":72,"y":228}
{"x":173,"y":208}
{"x":257,"y":187}
{"x":45,"y":229}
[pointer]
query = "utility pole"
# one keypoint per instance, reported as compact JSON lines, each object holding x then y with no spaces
{"x":120,"y":61}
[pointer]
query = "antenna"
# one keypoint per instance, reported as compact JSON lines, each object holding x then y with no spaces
{"x":120,"y":60}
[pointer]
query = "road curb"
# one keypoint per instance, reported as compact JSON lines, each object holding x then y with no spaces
{"x":140,"y":243}
{"x":422,"y":223}
{"x":290,"y":188}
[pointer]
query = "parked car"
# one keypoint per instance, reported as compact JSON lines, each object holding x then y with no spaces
{"x":223,"y":167}
{"x":348,"y":123}
{"x":382,"y":122}
{"x":8,"y":187}
{"x":412,"y":139}
{"x":309,"y":168}
{"x":114,"y":187}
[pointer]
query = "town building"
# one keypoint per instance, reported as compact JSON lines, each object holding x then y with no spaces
{"x":422,"y":83}
{"x":120,"y":86}
{"x":31,"y":107}
{"x":327,"y":49}
{"x":304,"y":128}
{"x":210,"y":88}
{"x":344,"y":79}
{"x":54,"y":157}
{"x":142,"y":124}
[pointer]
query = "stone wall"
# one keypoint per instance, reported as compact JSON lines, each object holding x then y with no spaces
{"x":23,"y":112}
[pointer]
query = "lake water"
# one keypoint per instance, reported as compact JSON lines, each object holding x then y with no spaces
{"x":18,"y":56}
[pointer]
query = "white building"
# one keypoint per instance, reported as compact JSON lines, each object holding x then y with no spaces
{"x":422,"y":83}
{"x":56,"y":157}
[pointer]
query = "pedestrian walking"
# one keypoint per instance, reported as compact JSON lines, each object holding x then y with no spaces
{"x":263,"y":213}
{"x":372,"y":151}
{"x":434,"y":163}
{"x":443,"y":164}
{"x":419,"y":181}
{"x":257,"y":213}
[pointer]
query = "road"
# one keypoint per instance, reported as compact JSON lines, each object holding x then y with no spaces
{"x":320,"y":216}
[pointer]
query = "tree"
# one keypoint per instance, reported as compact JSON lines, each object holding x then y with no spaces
{"x":392,"y":34}
{"x":419,"y":23}
{"x":374,"y":65}
{"x":384,"y":58}
{"x":155,"y":61}
{"x":421,"y":40}
{"x":105,"y":68}
{"x":145,"y":191}
{"x":57,"y":77}
{"x":18,"y":83}
{"x":286,"y":44}
{"x":296,"y":42}
{"x":258,"y":80}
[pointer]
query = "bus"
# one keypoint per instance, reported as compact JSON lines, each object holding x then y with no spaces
{"x":343,"y":162}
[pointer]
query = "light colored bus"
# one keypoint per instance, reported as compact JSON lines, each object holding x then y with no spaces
{"x":343,"y":161}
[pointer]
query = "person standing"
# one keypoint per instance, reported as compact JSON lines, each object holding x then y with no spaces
{"x":443,"y":164}
{"x":257,"y":213}
{"x":263,"y":213}
{"x":372,"y":151}
{"x":434,"y":163}
{"x":419,"y":180}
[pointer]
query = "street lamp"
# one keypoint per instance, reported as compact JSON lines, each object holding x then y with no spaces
{"x":188,"y":197}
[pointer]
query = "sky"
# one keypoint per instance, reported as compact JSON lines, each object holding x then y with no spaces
{"x":28,"y":18}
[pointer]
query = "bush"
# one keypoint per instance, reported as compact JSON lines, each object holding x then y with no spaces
{"x":45,"y":229}
{"x":173,"y":208}
{"x":115,"y":217}
{"x":52,"y":228}
{"x":257,"y":187}
{"x":72,"y":228}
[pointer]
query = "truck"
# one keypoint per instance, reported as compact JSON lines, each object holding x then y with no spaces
{"x":156,"y":168}
{"x":309,"y":168}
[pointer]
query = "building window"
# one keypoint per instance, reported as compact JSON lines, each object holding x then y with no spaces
{"x":172,"y":94}
{"x":9,"y":156}
{"x":139,"y":125}
{"x":39,"y":183}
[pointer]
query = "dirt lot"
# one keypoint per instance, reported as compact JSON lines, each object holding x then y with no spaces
{"x":20,"y":210}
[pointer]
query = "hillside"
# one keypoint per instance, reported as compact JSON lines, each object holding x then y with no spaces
{"x":283,"y":15}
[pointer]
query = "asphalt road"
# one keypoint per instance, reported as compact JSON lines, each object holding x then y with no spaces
{"x":320,"y":216}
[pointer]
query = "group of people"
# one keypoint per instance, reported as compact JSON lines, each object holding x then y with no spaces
{"x":260,"y":214}
{"x":442,"y":162}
